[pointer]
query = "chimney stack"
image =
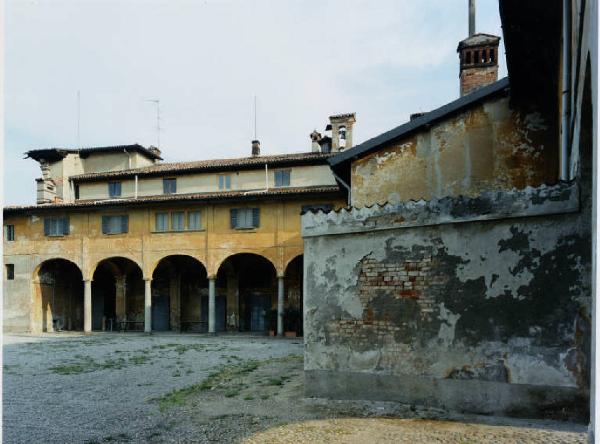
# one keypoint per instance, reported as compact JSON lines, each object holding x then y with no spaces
{"x":341,"y":131}
{"x":315,"y":137}
{"x":478,"y":57}
{"x":255,"y":148}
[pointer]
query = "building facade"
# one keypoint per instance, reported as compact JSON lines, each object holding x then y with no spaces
{"x":122,"y":241}
{"x":460,"y":277}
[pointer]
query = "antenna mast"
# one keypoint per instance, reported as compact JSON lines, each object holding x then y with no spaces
{"x":157,"y":103}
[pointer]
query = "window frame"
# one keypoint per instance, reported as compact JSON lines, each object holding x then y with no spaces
{"x":183,"y":220}
{"x":9,"y":232}
{"x":124,"y":222}
{"x":188,"y":220}
{"x":169,"y":226}
{"x":254,"y":215}
{"x":118,"y":185}
{"x":169,"y":180}
{"x":222,"y":182}
{"x":61,"y":225}
{"x":280,"y":176}
{"x":166,"y":214}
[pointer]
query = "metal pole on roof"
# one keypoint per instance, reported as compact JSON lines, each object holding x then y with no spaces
{"x":471,"y":17}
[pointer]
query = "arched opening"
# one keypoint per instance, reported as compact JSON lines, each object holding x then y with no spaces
{"x":59,"y":296}
{"x":293,"y":296}
{"x":179,"y":295}
{"x":118,"y":296}
{"x":247,"y":294}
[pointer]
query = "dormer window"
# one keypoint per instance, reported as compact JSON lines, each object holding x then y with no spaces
{"x":169,"y":186}
{"x":114,"y":189}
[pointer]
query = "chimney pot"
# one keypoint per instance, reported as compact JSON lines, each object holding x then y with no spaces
{"x":255,"y":148}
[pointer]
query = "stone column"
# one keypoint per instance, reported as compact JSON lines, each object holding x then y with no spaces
{"x":280,"y":301}
{"x":211,"y":305}
{"x":148,"y":305}
{"x":87,"y":306}
{"x":120,"y":297}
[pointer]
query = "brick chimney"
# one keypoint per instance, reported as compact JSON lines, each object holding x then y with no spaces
{"x":255,"y":148}
{"x":478,"y":57}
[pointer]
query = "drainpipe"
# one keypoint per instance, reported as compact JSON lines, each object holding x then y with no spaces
{"x":266,"y":177}
{"x":340,"y":180}
{"x":566,"y":89}
{"x":135,"y":190}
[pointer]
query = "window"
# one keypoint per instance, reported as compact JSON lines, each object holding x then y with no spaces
{"x":468,"y":57}
{"x":194,"y":222}
{"x":476,"y":57}
{"x":76,"y":191}
{"x":245,"y":218}
{"x":492,"y":55}
{"x":114,"y":189}
{"x":162,"y":222}
{"x":115,"y":224}
{"x":177,"y":219}
{"x":9,"y":232}
{"x":225,"y":182}
{"x":10,"y":271}
{"x":282,"y":178}
{"x":169,"y":186}
{"x":56,"y":226}
{"x":326,"y":208}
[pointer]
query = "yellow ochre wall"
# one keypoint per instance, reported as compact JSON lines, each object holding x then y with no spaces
{"x":487,"y":147}
{"x":277,"y":238}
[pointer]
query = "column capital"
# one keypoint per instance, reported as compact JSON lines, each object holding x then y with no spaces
{"x":148,"y":279}
{"x":212,"y":277}
{"x":280,"y":276}
{"x":88,"y":280}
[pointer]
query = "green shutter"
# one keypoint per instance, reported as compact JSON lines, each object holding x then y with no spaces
{"x":105,"y":222}
{"x":47,"y":226}
{"x":234,"y":222}
{"x":124,"y":224}
{"x":65,"y":225}
{"x":255,"y":217}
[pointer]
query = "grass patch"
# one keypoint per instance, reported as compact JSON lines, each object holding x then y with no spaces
{"x":220,"y":377}
{"x":86,"y":364}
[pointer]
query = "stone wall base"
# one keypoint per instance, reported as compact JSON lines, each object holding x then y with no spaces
{"x":461,"y":396}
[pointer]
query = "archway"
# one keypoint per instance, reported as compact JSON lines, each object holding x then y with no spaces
{"x":247,"y":286}
{"x":179,"y":288}
{"x":59,"y":296}
{"x":293,"y":299}
{"x":118,"y":296}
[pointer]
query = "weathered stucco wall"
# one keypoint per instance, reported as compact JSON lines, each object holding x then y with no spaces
{"x":277,"y":239}
{"x":487,"y":147}
{"x":452,"y":304}
{"x":209,"y":182}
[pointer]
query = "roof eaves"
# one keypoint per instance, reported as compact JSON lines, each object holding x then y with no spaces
{"x":420,"y":122}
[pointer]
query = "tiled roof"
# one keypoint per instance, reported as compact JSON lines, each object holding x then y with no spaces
{"x":275,"y":193}
{"x":59,"y":153}
{"x":279,"y":160}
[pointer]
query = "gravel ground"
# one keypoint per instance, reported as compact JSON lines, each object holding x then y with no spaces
{"x":194,"y":389}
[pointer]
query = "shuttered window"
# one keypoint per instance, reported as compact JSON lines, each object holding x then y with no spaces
{"x":242,"y":218}
{"x":162,"y":222}
{"x":56,"y":226}
{"x":177,"y":221}
{"x":282,"y":178}
{"x":114,"y":189}
{"x":194,"y":221}
{"x":9,"y":232}
{"x":115,"y":224}
{"x":169,"y":186}
{"x":225,"y":182}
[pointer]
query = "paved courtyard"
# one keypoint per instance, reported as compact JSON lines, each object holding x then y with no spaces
{"x":66,"y":388}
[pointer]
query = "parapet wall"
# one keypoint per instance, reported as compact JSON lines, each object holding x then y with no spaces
{"x":474,"y":304}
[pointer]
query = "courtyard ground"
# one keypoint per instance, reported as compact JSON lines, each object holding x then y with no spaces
{"x":114,"y":388}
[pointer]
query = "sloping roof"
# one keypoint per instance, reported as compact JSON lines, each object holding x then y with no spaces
{"x":341,"y":162}
{"x":52,"y":154}
{"x":272,"y":193}
{"x":162,"y":169}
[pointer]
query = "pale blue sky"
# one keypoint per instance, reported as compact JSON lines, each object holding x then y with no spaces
{"x":205,"y":60}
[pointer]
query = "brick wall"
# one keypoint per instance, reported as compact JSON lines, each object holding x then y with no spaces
{"x":475,"y":78}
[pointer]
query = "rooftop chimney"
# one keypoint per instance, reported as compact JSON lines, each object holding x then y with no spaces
{"x":315,"y":137}
{"x":341,"y":131}
{"x":255,"y":148}
{"x":478,"y":57}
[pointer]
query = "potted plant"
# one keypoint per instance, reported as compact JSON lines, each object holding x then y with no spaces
{"x":271,"y":320}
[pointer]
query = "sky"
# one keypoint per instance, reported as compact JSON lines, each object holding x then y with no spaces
{"x":206,"y":60}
